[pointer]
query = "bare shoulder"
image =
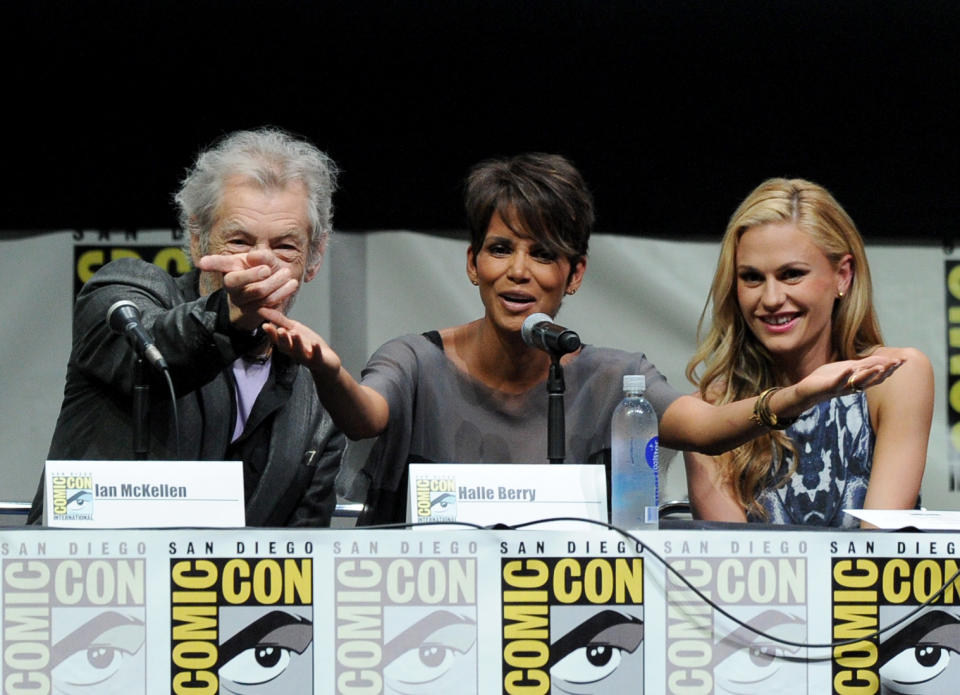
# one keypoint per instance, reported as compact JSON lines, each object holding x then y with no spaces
{"x":913,"y":378}
{"x":458,"y":334}
{"x":914,"y":363}
{"x":457,"y":343}
{"x":908,"y":354}
{"x":449,"y":334}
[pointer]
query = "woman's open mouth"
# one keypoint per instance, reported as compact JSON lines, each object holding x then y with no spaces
{"x":779,"y":323}
{"x":516,"y":301}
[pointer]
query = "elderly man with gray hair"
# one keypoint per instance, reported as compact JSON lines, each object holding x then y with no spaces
{"x":258,"y":210}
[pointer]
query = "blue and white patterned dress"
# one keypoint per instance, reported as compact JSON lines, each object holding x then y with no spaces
{"x":834,"y":441}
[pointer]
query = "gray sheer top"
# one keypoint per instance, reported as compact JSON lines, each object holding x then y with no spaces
{"x":440,"y":414}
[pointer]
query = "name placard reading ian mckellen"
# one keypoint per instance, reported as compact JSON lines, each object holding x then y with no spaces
{"x":143,"y":494}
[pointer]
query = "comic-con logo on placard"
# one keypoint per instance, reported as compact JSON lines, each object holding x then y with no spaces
{"x":436,"y":499}
{"x":572,"y":625}
{"x":406,"y":625}
{"x":241,"y":625}
{"x":74,"y":626}
{"x":72,"y":497}
{"x":920,"y":655}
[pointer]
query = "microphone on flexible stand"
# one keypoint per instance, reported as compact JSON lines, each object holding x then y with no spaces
{"x":123,"y":318}
{"x":539,"y":331}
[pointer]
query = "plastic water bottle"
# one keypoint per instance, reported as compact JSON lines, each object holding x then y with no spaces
{"x":635,"y":463}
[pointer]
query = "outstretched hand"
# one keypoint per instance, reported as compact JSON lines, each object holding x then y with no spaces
{"x":358,"y":410}
{"x":301,"y":343}
{"x":252,"y":280}
{"x":848,"y":376}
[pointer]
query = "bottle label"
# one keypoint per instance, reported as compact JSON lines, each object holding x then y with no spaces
{"x":652,"y":453}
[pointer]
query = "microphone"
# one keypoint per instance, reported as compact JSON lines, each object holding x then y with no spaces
{"x":123,"y":317}
{"x":541,"y":332}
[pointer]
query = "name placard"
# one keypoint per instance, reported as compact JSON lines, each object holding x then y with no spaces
{"x":511,"y":493}
{"x":143,"y":494}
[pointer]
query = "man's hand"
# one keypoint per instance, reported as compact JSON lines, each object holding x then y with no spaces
{"x":252,"y":281}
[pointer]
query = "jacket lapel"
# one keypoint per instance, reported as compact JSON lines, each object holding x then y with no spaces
{"x":287,"y":456}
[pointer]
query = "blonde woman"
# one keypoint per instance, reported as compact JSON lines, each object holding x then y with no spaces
{"x":791,"y":293}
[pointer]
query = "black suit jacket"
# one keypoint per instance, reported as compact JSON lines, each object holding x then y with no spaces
{"x":195,"y":337}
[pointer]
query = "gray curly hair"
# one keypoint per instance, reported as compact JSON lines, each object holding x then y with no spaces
{"x":269,"y":157}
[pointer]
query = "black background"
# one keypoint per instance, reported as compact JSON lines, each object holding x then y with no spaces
{"x":673,"y":109}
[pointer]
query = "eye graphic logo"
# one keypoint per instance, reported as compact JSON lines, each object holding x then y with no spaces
{"x":443,"y":503}
{"x":923,"y":656}
{"x":100,"y":651}
{"x":72,"y":497}
{"x":429,"y":650}
{"x":436,"y":499}
{"x":266,"y":651}
{"x":595,"y":652}
{"x":242,"y":626}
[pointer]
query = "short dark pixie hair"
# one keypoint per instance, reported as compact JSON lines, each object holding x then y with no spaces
{"x":543,"y":193}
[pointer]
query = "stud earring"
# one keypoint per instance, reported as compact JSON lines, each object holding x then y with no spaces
{"x":476,"y":283}
{"x":571,"y":292}
{"x":839,"y":294}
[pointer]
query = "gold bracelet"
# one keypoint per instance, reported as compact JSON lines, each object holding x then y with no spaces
{"x":763,"y":416}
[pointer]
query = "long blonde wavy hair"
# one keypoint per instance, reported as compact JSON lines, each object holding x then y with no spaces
{"x":735,"y":364}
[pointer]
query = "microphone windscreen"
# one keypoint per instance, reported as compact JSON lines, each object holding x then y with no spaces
{"x":120,"y":314}
{"x":531,"y":322}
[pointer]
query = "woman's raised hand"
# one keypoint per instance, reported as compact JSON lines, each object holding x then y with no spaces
{"x":847,"y":376}
{"x":301,"y":342}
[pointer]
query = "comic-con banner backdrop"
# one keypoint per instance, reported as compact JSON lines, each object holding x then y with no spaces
{"x":475,"y":612}
{"x":92,"y":250}
{"x":952,"y":269}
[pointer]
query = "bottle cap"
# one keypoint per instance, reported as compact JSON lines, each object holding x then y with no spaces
{"x":634,"y":382}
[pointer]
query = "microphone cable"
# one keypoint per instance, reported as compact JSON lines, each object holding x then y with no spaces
{"x":174,"y":412}
{"x":715,"y":606}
